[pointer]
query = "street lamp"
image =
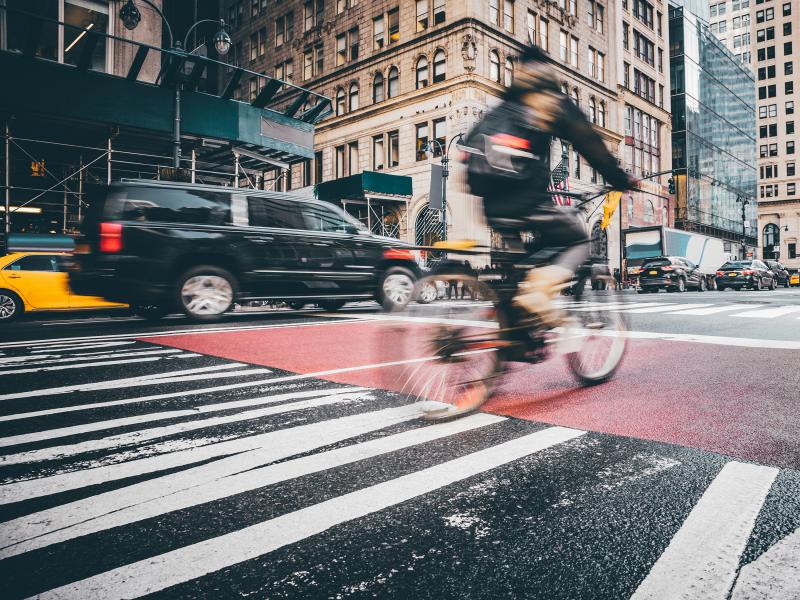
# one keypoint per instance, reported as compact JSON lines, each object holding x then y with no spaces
{"x":744,"y":202}
{"x":130,"y":16}
{"x":445,"y":152}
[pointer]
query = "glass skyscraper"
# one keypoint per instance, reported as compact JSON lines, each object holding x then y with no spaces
{"x":713,"y":133}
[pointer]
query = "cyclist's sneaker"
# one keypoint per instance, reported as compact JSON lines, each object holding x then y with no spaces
{"x":539,"y":290}
{"x":471,"y":398}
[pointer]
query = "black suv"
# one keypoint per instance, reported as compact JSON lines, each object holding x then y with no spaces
{"x":673,"y":273}
{"x":781,"y":274}
{"x":199,"y":249}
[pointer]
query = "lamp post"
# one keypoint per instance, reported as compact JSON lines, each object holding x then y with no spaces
{"x":744,"y":202}
{"x":445,"y":152}
{"x":130,"y":16}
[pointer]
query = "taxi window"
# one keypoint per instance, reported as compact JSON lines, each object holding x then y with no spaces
{"x":35,"y":262}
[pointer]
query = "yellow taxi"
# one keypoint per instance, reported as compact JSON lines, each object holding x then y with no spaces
{"x":34,"y":281}
{"x":794,"y":280}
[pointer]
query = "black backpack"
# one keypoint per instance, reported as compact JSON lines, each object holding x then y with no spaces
{"x":500,"y":157}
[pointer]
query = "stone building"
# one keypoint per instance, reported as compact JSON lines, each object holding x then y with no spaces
{"x":406,"y":76}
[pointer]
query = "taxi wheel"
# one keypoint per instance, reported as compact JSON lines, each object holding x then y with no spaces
{"x":11,"y":306}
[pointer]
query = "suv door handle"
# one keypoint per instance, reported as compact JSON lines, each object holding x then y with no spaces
{"x":259,"y":239}
{"x":320,"y":244}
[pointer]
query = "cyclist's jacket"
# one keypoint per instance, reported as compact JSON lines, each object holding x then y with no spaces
{"x":547,"y":114}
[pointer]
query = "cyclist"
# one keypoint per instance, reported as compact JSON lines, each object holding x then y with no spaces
{"x":563,"y":234}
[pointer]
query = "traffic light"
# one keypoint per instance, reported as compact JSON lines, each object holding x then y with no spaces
{"x":671,"y":183}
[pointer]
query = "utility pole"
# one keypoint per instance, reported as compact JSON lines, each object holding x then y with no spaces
{"x":744,"y":201}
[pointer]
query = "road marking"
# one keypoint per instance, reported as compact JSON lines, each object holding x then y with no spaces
{"x":775,"y":573}
{"x":152,"y":334}
{"x":219,"y":388}
{"x":200,"y":485}
{"x":51,"y":434}
{"x":104,"y":363}
{"x":703,"y":339}
{"x":154,"y":433}
{"x":49,"y":359}
{"x":282,"y":443}
{"x":69,"y":347}
{"x":190,"y":562}
{"x":153,"y":379}
{"x":655,"y":308}
{"x":702,"y":559}
{"x":717,"y":309}
{"x":768,"y":313}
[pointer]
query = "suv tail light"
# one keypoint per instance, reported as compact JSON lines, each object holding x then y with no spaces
{"x":747,"y":272}
{"x":720,"y":273}
{"x":398,"y":254}
{"x":110,"y":237}
{"x":668,"y":268}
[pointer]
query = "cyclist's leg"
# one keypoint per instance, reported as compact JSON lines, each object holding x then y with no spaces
{"x":566,"y":243}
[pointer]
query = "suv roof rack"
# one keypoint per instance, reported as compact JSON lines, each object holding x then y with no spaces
{"x":215,"y":188}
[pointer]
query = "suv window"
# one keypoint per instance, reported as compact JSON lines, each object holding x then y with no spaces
{"x":759,"y":264}
{"x":659,"y":262}
{"x":319,"y":217}
{"x":175,"y":205}
{"x":35,"y":262}
{"x":274,"y":212}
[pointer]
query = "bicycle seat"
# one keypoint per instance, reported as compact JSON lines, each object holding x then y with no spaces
{"x":456,"y":245}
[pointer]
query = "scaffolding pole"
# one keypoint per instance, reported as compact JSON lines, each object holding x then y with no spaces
{"x":236,"y":169}
{"x":64,"y":218}
{"x":194,"y":164}
{"x":108,"y":163}
{"x":80,"y":188}
{"x":8,"y":180}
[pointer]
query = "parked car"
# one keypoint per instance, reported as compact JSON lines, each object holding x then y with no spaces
{"x":738,"y":274}
{"x":672,"y":273}
{"x":35,"y":281}
{"x":781,"y":274}
{"x":198,"y":249}
{"x":794,"y":280}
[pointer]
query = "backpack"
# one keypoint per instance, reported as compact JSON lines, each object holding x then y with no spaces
{"x":500,"y":158}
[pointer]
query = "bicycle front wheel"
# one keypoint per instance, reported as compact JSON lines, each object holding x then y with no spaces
{"x":595,"y":331}
{"x":454,"y":345}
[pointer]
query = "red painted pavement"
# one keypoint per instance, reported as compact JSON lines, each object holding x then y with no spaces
{"x":737,"y":401}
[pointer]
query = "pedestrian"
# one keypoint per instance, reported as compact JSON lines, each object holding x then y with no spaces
{"x":452,"y":289}
{"x":617,"y":279}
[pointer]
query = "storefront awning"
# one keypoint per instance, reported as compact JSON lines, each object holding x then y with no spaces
{"x":367,"y":185}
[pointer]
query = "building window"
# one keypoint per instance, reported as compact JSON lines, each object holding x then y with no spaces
{"x":508,"y":72}
{"x":339,"y":162}
{"x":563,"y":49}
{"x":253,"y":46}
{"x":790,"y":127}
{"x":378,"y":38}
{"x":601,"y":114}
{"x":318,"y":166}
{"x":789,"y":147}
{"x":422,"y":72}
{"x":353,"y":43}
{"x":439,"y":66}
{"x":377,"y":88}
{"x":771,"y":239}
{"x":422,"y":15}
{"x":791,"y":189}
{"x":422,"y":141}
{"x":439,"y":12}
{"x":352,"y":158}
{"x":353,"y":97}
{"x":508,"y":15}
{"x":532,"y":28}
{"x":573,"y":52}
{"x":340,"y":102}
{"x":378,"y":153}
{"x":789,"y":106}
{"x":494,"y":12}
{"x":393,"y":88}
{"x":592,"y":110}
{"x":341,"y":49}
{"x":308,"y":65}
{"x":792,"y":249}
{"x":494,"y":66}
{"x":394,"y":25}
{"x":544,"y":34}
{"x":394,"y":148}
{"x":253,"y":89}
{"x":340,"y":6}
{"x":440,"y":136}
{"x":284,"y":29}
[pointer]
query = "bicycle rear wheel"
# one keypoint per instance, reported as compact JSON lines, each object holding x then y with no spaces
{"x":595,"y":332}
{"x":453,"y":348}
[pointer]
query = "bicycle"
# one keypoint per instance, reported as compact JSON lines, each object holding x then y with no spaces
{"x":464,"y":347}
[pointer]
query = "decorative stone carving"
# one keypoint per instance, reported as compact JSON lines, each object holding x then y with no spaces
{"x":469,"y":52}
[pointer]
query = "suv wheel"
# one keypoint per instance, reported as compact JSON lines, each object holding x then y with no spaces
{"x":206,"y":293}
{"x":397,"y":287}
{"x":331,"y":305}
{"x":151,"y":312}
{"x":703,"y":285}
{"x":11,"y":306}
{"x":427,"y":293}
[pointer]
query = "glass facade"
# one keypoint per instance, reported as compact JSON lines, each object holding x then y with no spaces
{"x":713,"y":130}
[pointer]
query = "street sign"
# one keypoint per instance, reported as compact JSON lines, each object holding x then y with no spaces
{"x":747,"y":224}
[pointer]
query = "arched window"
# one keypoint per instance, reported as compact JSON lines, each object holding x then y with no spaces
{"x":601,"y":114}
{"x":439,"y":66}
{"x":353,"y":97}
{"x":339,"y":101}
{"x":772,"y":240}
{"x":422,"y":72}
{"x":575,"y":97}
{"x":649,"y":212}
{"x":508,"y":72}
{"x":592,"y":109}
{"x":393,"y":89}
{"x":377,"y":88}
{"x":428,"y":226}
{"x":630,"y":208}
{"x":564,"y":89}
{"x":494,"y":66}
{"x":599,"y":242}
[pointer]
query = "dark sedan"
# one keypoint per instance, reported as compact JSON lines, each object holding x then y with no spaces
{"x":739,"y":274}
{"x":673,"y":273}
{"x":781,"y":274}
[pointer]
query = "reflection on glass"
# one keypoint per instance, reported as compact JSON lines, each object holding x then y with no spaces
{"x":87,"y":17}
{"x":18,"y":23}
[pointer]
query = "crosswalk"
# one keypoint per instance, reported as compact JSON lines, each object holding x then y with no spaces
{"x":737,"y":310}
{"x":269,"y":484}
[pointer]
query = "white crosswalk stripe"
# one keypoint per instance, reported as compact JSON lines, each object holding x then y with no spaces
{"x":768,"y":313}
{"x":74,"y":480}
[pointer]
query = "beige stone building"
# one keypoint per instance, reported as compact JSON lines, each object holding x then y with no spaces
{"x":402,"y":73}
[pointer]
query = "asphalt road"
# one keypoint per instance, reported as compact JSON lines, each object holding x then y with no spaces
{"x":266,"y":456}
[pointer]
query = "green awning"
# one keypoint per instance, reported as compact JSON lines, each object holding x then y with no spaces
{"x":366,"y":185}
